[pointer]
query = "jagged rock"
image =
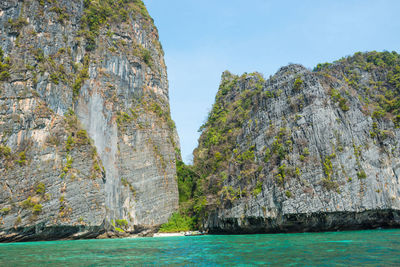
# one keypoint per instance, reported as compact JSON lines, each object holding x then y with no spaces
{"x":303,"y":150}
{"x":86,"y":137}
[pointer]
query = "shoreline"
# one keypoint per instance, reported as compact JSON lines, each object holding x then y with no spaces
{"x":168,"y":234}
{"x":186,"y":234}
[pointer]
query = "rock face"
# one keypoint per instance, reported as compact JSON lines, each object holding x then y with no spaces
{"x":86,"y":139}
{"x":303,"y":150}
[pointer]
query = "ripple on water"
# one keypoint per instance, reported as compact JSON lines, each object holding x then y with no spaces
{"x":375,"y":247}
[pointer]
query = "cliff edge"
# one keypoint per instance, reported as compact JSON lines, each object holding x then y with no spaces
{"x":87,"y":143}
{"x":303,"y":150}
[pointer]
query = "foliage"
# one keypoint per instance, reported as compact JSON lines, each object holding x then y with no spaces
{"x":282,"y":144}
{"x":28,"y":204}
{"x":4,"y":211}
{"x":17,"y":24}
{"x":230,"y":194}
{"x":280,"y":177}
{"x":227,"y":160}
{"x":258,"y":189}
{"x":200,"y":203}
{"x":4,"y":66}
{"x":37,"y":208}
{"x":21,"y":158}
{"x":327,"y":166}
{"x":227,"y":168}
{"x":121,"y":223}
{"x":54,"y":78}
{"x":361,"y":174}
{"x":381,"y":93}
{"x":224,"y":124}
{"x":4,"y":75}
{"x":82,"y":137}
{"x":177,"y":223}
{"x":147,"y":103}
{"x":186,"y":181}
{"x":69,"y":143}
{"x":5,"y":152}
{"x":297,"y":84}
{"x":61,"y":12}
{"x":336,"y":97}
{"x":119,"y":229}
{"x":322,"y":66}
{"x":82,"y":75}
{"x":41,"y":189}
{"x":191,"y":200}
{"x":328,"y":181}
{"x":98,"y":13}
{"x":330,"y":184}
{"x":146,"y":56}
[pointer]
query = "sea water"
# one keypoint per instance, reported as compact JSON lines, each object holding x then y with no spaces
{"x":355,"y":248}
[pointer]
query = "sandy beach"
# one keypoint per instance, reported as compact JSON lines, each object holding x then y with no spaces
{"x":168,"y":234}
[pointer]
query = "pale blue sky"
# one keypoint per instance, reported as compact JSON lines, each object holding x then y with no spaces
{"x":202,"y":38}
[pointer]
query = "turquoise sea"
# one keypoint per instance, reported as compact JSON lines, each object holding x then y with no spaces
{"x":356,"y":248}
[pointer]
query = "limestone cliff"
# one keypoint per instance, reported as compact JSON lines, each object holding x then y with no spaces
{"x":86,"y":139}
{"x":304,"y":150}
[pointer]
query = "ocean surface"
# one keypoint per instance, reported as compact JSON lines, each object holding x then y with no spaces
{"x":356,"y":248}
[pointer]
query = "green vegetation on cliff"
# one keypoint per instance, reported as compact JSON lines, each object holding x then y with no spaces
{"x":227,"y":165}
{"x":381,"y":96}
{"x":4,"y":66}
{"x":186,"y":181}
{"x":186,"y":218}
{"x":219,"y":135}
{"x":54,"y":52}
{"x":101,"y":12}
{"x":178,"y":223}
{"x":217,"y":144}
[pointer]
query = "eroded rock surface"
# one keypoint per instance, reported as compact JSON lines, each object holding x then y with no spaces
{"x":86,"y":139}
{"x":303,"y":150}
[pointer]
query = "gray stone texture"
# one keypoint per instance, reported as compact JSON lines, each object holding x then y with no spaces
{"x":113,"y":173}
{"x":310,"y":200}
